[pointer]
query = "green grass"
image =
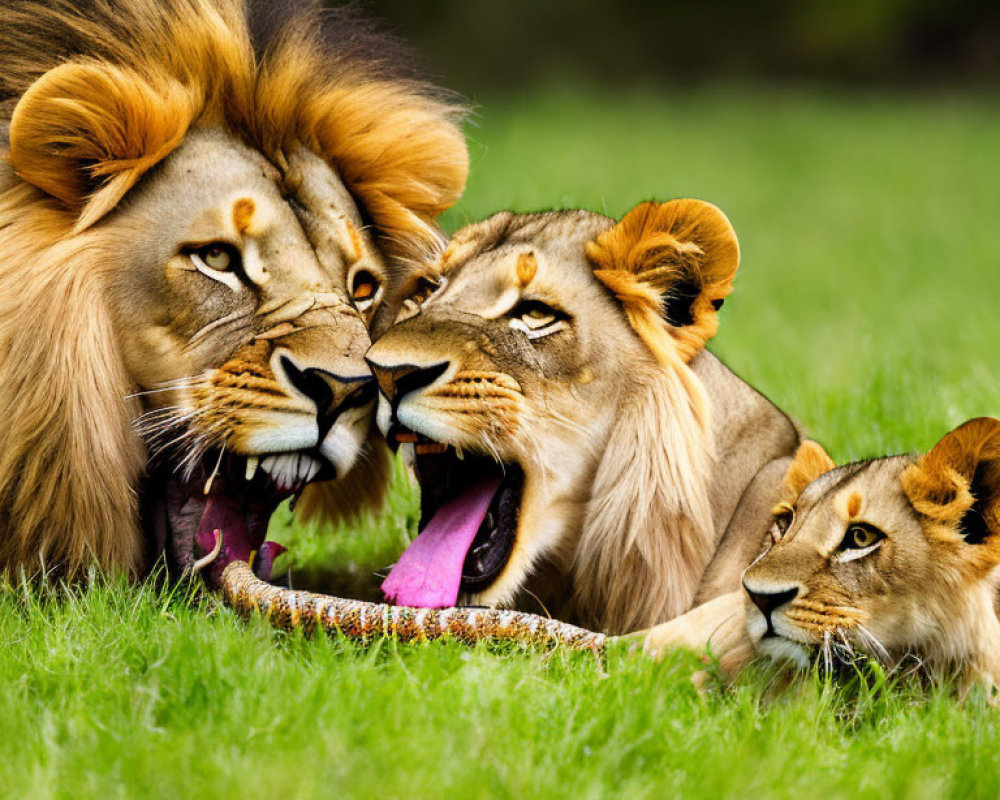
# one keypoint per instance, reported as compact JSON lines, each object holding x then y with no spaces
{"x":866,"y":307}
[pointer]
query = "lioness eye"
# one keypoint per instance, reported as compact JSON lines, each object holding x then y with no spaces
{"x":536,"y":319}
{"x":364,"y":287}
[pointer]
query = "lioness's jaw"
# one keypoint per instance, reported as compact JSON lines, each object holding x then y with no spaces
{"x":216,"y":218}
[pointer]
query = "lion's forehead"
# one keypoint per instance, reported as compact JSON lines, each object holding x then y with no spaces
{"x":236,"y":187}
{"x":558,"y":235}
{"x":867,"y":490}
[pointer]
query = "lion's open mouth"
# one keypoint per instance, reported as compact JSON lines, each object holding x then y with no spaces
{"x":234,"y":495}
{"x":469,"y":509}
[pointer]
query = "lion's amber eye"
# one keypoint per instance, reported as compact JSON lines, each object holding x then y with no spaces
{"x":216,"y":256}
{"x":219,"y":261}
{"x":862,"y":537}
{"x":538,"y":318}
{"x":364,"y":287}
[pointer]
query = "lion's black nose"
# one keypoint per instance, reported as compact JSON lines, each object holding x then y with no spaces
{"x":769,"y":601}
{"x":398,"y":380}
{"x":332,"y":394}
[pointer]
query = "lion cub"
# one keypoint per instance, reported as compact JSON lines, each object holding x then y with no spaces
{"x":892,"y":557}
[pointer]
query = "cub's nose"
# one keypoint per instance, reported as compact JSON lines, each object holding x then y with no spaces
{"x":398,"y":380}
{"x":768,"y":601}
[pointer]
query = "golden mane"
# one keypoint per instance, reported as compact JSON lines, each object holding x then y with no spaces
{"x":92,"y":96}
{"x":275,"y":73}
{"x":648,"y":532}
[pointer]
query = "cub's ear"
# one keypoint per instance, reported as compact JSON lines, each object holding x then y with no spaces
{"x":85,"y":133}
{"x":810,"y":461}
{"x":958,"y":482}
{"x":671,"y":265}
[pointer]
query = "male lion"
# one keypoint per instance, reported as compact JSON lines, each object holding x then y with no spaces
{"x":197,"y":199}
{"x":892,"y":557}
{"x":597,"y":455}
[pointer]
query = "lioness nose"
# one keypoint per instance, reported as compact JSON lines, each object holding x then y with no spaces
{"x":331,"y":393}
{"x":768,"y":601}
{"x":398,"y":380}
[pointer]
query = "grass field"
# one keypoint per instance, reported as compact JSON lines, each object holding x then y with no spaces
{"x":866,"y":307}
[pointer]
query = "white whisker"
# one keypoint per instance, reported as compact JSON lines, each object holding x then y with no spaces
{"x":871,"y":642}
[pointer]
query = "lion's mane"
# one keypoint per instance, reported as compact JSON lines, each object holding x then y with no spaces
{"x":92,"y":96}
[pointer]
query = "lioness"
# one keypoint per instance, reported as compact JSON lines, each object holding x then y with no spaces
{"x":892,"y":557}
{"x":572,"y":437}
{"x":201,"y":204}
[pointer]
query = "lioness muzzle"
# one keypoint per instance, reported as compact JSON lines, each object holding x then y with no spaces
{"x":289,"y":610}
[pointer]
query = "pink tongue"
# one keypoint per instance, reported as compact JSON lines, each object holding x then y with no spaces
{"x":429,"y":572}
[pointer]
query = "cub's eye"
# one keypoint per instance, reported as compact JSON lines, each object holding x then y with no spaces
{"x":536,"y":319}
{"x":364,"y":288}
{"x":859,"y":540}
{"x":862,"y":536}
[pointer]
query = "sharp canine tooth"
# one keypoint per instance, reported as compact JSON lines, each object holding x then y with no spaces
{"x":252,"y":462}
{"x":459,"y":454}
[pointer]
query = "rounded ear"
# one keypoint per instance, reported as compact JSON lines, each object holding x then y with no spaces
{"x":671,"y":265}
{"x":810,"y":461}
{"x":958,"y":482}
{"x":84,"y":133}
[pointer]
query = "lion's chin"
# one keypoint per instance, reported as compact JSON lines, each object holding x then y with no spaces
{"x":221,"y":508}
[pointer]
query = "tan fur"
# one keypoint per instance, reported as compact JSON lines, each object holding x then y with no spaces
{"x":61,"y":424}
{"x":612,"y":422}
{"x":648,"y":533}
{"x":83,"y":133}
{"x":715,"y":630}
